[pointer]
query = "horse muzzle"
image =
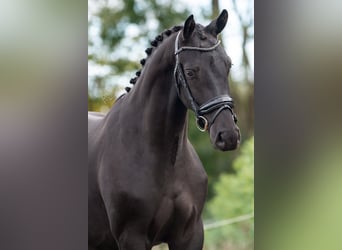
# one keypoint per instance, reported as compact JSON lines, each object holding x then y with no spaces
{"x":227,"y":139}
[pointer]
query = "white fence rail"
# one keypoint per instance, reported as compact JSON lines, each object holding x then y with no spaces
{"x":222,"y":223}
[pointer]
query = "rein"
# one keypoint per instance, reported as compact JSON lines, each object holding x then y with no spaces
{"x":218,"y":103}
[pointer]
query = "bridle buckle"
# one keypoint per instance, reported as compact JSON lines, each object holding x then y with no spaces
{"x":202,"y":123}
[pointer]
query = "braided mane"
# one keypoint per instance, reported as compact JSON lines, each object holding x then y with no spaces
{"x":158,"y":39}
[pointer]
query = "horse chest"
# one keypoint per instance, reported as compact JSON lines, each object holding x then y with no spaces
{"x":182,"y":204}
{"x":177,"y":214}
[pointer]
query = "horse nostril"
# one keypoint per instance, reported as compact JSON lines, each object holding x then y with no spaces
{"x":223,"y":136}
{"x":222,"y":139}
{"x":219,"y":137}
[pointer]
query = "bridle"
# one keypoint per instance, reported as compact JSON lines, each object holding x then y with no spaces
{"x":218,"y":103}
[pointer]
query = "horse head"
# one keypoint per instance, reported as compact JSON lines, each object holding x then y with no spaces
{"x":201,"y":76}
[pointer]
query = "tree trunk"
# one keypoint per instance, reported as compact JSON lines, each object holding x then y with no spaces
{"x":214,"y":8}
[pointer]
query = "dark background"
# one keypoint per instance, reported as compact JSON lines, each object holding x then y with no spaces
{"x":43,"y":145}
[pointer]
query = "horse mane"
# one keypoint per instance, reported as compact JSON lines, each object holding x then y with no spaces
{"x":154,"y":43}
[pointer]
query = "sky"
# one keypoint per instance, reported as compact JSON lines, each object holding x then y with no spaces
{"x":231,"y":37}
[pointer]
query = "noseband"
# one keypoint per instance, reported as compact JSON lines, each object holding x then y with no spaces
{"x":218,"y":103}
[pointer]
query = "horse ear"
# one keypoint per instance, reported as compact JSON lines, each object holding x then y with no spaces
{"x":189,"y":27}
{"x":218,"y":24}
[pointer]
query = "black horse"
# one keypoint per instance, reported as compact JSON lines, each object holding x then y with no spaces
{"x":146,"y":182}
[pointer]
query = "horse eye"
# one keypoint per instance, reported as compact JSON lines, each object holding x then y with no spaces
{"x":190,"y":73}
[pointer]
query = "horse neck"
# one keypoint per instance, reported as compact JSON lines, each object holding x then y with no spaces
{"x":155,"y":96}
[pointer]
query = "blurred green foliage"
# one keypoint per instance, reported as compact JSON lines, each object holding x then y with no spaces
{"x":233,"y":197}
{"x":114,"y":20}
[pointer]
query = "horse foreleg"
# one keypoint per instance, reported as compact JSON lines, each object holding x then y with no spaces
{"x":194,"y":243}
{"x":131,"y":239}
